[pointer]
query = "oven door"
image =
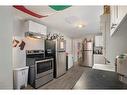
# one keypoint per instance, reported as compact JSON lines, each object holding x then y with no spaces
{"x":43,"y":67}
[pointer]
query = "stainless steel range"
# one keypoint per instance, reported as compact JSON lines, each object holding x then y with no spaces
{"x":40,"y":68}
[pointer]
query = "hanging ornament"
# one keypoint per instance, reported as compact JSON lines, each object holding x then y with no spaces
{"x":22,"y":45}
{"x":59,"y":7}
{"x":27,"y":11}
{"x":15,"y":42}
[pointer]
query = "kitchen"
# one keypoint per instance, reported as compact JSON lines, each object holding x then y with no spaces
{"x":35,"y":42}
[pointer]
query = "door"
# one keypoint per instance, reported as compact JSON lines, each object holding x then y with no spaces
{"x":49,"y":48}
{"x":114,"y":16}
{"x":122,"y":11}
{"x":117,"y":14}
{"x":61,"y":63}
{"x":43,"y":67}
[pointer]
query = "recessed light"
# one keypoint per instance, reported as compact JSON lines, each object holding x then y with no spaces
{"x":80,"y":25}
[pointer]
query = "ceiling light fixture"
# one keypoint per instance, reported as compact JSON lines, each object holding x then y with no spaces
{"x":80,"y":25}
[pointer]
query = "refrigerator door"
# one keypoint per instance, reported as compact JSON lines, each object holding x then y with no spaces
{"x":49,"y":48}
{"x":88,"y":46}
{"x":87,"y":59}
{"x":60,"y":63}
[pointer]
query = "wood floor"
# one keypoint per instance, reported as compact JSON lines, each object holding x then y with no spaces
{"x":67,"y":81}
{"x":85,"y":78}
{"x":99,"y":79}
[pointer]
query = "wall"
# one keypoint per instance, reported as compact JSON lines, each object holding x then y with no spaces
{"x":118,"y":43}
{"x":19,"y":57}
{"x":6,"y":29}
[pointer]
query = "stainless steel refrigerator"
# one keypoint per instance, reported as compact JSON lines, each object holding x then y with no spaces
{"x":57,"y":50}
{"x":87,"y":54}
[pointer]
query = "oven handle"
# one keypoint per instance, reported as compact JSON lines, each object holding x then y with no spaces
{"x":44,"y":60}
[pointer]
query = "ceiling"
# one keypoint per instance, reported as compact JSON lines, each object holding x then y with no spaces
{"x":66,"y":21}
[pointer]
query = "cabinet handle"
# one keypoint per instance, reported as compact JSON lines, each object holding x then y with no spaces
{"x":113,"y":25}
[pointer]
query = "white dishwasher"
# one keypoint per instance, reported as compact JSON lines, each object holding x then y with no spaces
{"x":20,"y":77}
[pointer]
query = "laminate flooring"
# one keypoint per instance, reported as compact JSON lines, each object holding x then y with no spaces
{"x":85,"y":78}
{"x":99,"y":79}
{"x":67,"y":81}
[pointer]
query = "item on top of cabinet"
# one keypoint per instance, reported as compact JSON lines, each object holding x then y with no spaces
{"x":15,"y":42}
{"x":54,"y":36}
{"x":122,"y":58}
{"x":48,"y":36}
{"x":106,"y":9}
{"x":22,"y":45}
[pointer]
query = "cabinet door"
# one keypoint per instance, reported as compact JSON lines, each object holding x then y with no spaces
{"x":117,"y":14}
{"x":121,"y":66}
{"x":122,"y":11}
{"x":112,"y":15}
{"x":43,"y":29}
{"x":35,"y":27}
{"x":114,"y":19}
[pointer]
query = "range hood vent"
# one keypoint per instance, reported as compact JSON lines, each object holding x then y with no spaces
{"x":35,"y":30}
{"x":34,"y":35}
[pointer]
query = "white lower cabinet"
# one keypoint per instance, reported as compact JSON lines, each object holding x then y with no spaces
{"x":20,"y":77}
{"x":99,"y":59}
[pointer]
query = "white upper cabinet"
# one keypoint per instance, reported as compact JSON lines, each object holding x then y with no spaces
{"x":118,"y":15}
{"x":122,"y":11}
{"x":35,"y":27}
{"x":98,"y":41}
{"x":113,"y":19}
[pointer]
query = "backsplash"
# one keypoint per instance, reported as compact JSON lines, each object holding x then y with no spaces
{"x":98,"y":50}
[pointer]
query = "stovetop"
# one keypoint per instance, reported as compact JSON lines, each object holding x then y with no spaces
{"x":36,"y":55}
